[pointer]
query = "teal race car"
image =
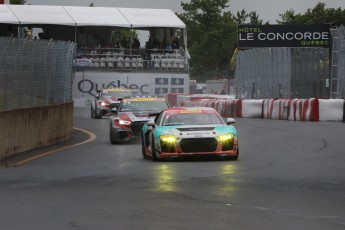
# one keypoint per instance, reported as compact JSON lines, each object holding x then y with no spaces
{"x":186,"y":131}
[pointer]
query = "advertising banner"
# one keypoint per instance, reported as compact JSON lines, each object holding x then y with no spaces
{"x":86,"y":84}
{"x":283,"y":36}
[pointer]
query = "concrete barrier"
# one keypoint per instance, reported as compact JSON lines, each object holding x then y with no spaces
{"x":252,"y":108}
{"x":331,"y":110}
{"x":304,"y":110}
{"x":27,"y":129}
{"x":312,"y":109}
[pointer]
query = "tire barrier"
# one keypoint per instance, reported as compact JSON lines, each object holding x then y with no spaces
{"x":312,"y":109}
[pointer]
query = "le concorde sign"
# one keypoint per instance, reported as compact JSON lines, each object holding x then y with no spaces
{"x":283,"y":36}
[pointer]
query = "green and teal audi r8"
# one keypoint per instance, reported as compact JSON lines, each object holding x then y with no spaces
{"x":186,"y":131}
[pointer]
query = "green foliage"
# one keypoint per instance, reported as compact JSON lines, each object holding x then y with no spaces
{"x":318,"y":15}
{"x":242,"y":18}
{"x":124,"y":36}
{"x":16,"y":2}
{"x":211,"y":36}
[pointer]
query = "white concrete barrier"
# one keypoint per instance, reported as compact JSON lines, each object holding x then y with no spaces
{"x":252,"y":108}
{"x":276,"y":109}
{"x":331,"y":110}
{"x":312,"y":109}
{"x":304,"y":110}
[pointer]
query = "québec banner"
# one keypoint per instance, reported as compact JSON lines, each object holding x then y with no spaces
{"x":250,"y":36}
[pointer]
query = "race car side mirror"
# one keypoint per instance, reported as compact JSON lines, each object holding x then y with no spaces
{"x":230,"y":121}
{"x":151,"y":123}
{"x":113,"y":110}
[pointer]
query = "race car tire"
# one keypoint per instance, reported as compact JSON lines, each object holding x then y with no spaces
{"x":234,"y":158}
{"x":112,"y":139}
{"x":153,"y":150}
{"x":92,"y":113}
{"x":143,"y":147}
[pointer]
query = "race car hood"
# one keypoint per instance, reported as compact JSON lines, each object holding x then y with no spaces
{"x":136,"y":116}
{"x":188,"y":131}
{"x":111,"y":100}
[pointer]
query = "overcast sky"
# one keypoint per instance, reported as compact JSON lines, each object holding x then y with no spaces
{"x":268,"y":10}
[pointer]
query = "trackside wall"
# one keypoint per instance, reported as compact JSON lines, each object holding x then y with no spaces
{"x":312,"y":109}
{"x":31,"y":128}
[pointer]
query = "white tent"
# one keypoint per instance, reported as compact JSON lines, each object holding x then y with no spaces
{"x":143,"y":18}
{"x":97,"y":16}
{"x":89,"y":16}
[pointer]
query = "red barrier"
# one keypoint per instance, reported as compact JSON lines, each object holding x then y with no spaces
{"x":304,"y":110}
{"x":172,"y":98}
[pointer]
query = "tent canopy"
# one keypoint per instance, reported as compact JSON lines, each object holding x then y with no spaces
{"x":89,"y":16}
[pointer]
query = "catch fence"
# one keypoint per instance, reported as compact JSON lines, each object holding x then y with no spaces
{"x":293,"y":72}
{"x":35,"y":72}
{"x":282,"y":73}
{"x":338,"y":63}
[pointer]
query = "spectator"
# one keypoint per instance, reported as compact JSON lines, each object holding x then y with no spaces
{"x":136,"y":43}
{"x":175,"y":44}
{"x":117,"y":44}
{"x":156,"y":44}
{"x":149,"y":44}
{"x":222,"y":92}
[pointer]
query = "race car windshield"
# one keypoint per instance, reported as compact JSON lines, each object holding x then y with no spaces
{"x":192,"y":119}
{"x":144,"y":105}
{"x":117,"y":94}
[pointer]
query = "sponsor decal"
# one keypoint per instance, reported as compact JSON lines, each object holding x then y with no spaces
{"x":82,"y":62}
{"x":143,"y":99}
{"x":177,"y":90}
{"x":283,"y":36}
{"x":161,"y":90}
{"x":89,"y":87}
{"x":161,"y":81}
{"x":177,"y":81}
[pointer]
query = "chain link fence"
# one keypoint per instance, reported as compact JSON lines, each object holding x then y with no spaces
{"x":338,"y":63}
{"x":282,"y":73}
{"x":35,"y":72}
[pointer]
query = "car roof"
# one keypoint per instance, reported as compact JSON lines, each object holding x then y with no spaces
{"x":143,"y":96}
{"x":189,"y":108}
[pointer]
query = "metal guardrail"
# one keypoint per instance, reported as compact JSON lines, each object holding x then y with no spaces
{"x":35,"y":72}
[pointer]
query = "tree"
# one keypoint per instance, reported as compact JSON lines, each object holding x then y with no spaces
{"x":242,"y":18}
{"x":124,"y":36}
{"x":318,"y":15}
{"x":16,"y":2}
{"x":211,"y":36}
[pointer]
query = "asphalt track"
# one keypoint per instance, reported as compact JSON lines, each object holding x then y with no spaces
{"x":79,"y":137}
{"x":290,"y":175}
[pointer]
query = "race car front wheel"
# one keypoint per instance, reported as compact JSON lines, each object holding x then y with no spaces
{"x":153,"y":150}
{"x":143,"y":147}
{"x":92,"y":113}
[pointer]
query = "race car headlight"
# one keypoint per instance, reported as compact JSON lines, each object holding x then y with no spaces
{"x":168,"y":139}
{"x":103,"y":104}
{"x":124,"y":122}
{"x":226,"y":137}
